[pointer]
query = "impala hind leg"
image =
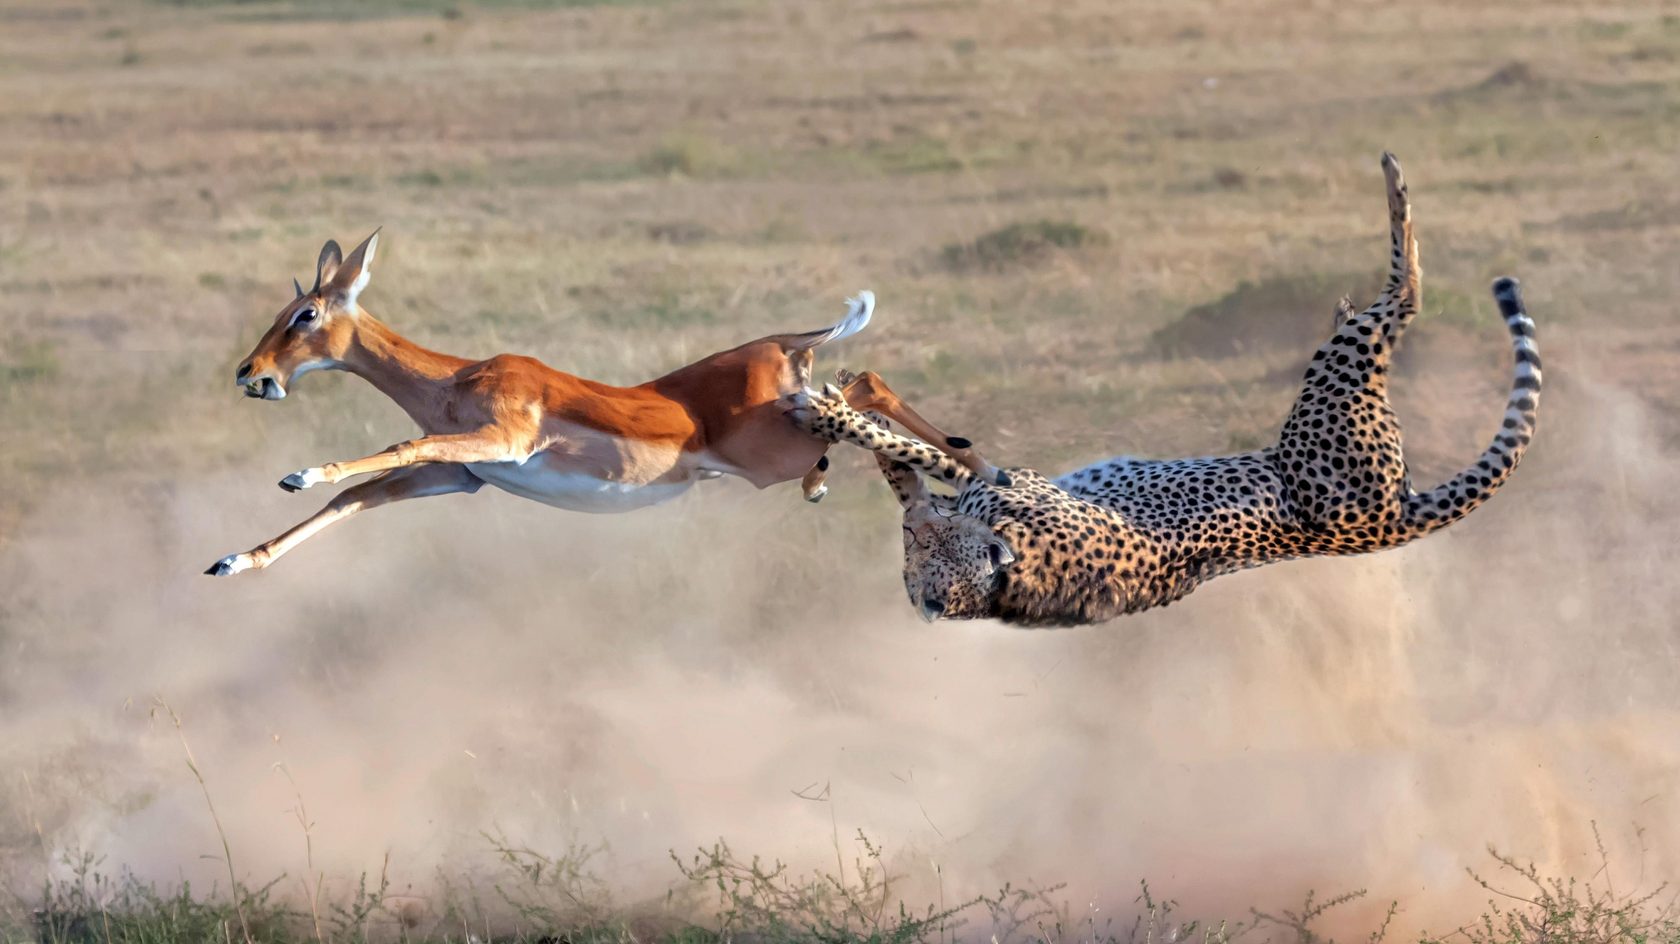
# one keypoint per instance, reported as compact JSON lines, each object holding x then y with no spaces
{"x":869,"y":393}
{"x":419,"y":481}
{"x":815,"y":482}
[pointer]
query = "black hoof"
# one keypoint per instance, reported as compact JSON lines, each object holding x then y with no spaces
{"x":218,"y":569}
{"x":1003,"y":480}
{"x":958,"y":442}
{"x":289,"y":486}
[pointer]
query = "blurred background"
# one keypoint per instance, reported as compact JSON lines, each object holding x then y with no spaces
{"x":1094,"y":228}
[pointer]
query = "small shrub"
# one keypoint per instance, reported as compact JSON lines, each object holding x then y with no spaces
{"x":688,"y":155}
{"x":1550,"y":910}
{"x":1017,"y":244}
{"x":680,"y":232}
{"x":767,"y":901}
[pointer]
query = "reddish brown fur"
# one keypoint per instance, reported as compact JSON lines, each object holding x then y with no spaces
{"x":517,"y":423}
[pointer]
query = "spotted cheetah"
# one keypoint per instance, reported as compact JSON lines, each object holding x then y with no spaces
{"x":1128,"y":534}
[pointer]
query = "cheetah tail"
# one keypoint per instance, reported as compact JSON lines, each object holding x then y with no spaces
{"x":1442,"y":506}
{"x":858,"y":312}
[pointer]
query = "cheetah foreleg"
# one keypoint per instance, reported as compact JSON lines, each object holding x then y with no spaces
{"x":827,"y":415}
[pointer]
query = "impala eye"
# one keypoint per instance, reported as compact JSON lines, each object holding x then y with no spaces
{"x":305,"y":316}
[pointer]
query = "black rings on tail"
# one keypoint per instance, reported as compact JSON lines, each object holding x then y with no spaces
{"x":1442,"y":506}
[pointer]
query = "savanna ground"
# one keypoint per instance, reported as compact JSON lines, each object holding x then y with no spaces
{"x":1093,"y":228}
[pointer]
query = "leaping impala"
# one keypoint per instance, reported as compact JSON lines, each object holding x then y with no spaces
{"x":526,"y":428}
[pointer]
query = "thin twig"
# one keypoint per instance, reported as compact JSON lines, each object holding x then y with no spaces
{"x":302,"y":815}
{"x":158,"y":704}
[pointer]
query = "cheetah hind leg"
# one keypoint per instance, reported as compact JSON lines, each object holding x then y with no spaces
{"x":1387,"y":318}
{"x":1340,"y":449}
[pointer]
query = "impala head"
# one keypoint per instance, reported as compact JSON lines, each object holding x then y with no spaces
{"x":313,"y":331}
{"x":952,"y":563}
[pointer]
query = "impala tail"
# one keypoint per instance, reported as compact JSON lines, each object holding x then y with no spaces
{"x":858,"y":312}
{"x":1442,"y":506}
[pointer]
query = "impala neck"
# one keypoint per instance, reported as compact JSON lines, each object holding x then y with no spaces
{"x":409,"y":374}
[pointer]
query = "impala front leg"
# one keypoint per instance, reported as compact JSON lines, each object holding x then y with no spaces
{"x":485,"y":445}
{"x":399,"y":485}
{"x":828,"y":416}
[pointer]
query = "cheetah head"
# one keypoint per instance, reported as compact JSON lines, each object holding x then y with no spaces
{"x":952,"y":563}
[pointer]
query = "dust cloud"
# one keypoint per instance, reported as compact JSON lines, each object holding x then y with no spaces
{"x":659,"y":680}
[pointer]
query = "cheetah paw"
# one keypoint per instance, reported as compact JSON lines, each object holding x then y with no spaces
{"x":806,"y":407}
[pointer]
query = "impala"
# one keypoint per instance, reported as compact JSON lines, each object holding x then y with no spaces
{"x":526,"y":428}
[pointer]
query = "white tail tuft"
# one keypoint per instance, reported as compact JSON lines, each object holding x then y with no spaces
{"x":858,"y":312}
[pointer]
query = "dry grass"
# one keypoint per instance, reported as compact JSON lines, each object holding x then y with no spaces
{"x":165,"y":169}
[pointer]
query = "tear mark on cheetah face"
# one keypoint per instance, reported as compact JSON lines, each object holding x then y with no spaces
{"x":952,"y":563}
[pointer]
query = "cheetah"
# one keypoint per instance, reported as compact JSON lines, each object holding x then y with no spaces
{"x":1126,"y":534}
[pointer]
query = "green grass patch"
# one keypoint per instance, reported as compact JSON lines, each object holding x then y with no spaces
{"x":28,"y":362}
{"x":914,"y":154}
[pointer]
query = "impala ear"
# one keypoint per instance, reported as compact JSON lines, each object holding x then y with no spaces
{"x":327,"y":265}
{"x":1001,"y":553}
{"x":1007,"y":535}
{"x":353,"y":275}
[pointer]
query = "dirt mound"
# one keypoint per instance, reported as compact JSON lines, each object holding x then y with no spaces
{"x":1287,"y":313}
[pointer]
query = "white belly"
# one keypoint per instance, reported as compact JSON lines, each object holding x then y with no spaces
{"x":574,"y":491}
